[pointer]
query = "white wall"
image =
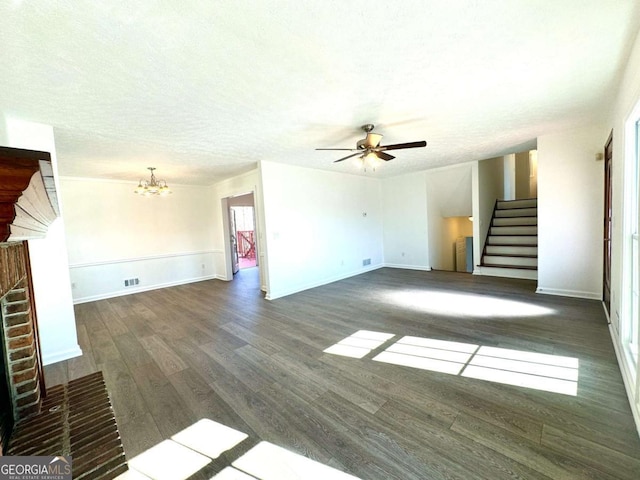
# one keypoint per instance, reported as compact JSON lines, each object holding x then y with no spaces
{"x":488,"y":187}
{"x":570,"y":212}
{"x":319,"y":226}
{"x":114,"y":234}
{"x":449,"y":194}
{"x":404,"y":214}
{"x":49,"y":264}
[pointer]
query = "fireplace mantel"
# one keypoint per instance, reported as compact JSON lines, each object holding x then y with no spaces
{"x":28,"y":199}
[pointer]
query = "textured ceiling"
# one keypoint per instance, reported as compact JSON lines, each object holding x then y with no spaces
{"x":203,"y":90}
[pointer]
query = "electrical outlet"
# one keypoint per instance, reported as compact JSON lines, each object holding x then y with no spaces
{"x":366,"y":261}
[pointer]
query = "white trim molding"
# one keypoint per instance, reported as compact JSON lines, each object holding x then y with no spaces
{"x":570,"y":293}
{"x":99,"y":280}
{"x":627,"y":378}
{"x":423,"y":268}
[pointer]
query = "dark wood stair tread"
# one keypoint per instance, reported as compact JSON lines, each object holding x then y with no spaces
{"x":517,"y":267}
{"x":519,"y":255}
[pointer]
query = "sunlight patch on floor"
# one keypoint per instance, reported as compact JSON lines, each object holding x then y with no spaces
{"x":428,"y":354}
{"x":209,"y":438}
{"x":198,"y":445}
{"x":539,"y":371}
{"x":267,"y":461}
{"x":169,"y":460}
{"x":359,"y":344}
{"x":464,"y":304}
{"x":551,"y":373}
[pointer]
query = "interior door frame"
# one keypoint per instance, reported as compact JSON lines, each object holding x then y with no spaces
{"x":606,"y":257}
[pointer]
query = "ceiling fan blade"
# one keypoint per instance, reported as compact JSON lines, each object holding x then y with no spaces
{"x":384,"y":156}
{"x":348,"y":156}
{"x":398,"y":146}
{"x":345,"y":149}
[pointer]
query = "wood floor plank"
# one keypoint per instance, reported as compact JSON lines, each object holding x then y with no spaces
{"x":204,"y":401}
{"x":219,"y":350}
{"x":131,"y":351}
{"x":169,"y":411}
{"x":163,"y":355}
{"x":524,"y":451}
{"x":593,"y":454}
{"x":473,"y":456}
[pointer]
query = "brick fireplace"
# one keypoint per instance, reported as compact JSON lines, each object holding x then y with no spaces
{"x":76,"y":418}
{"x":23,"y":382}
{"x":28,"y":205}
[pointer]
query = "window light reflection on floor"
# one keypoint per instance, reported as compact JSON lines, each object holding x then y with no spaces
{"x":267,"y":461}
{"x":198,"y":445}
{"x":464,"y":304}
{"x":428,"y":354}
{"x":359,"y":344}
{"x":552,"y":373}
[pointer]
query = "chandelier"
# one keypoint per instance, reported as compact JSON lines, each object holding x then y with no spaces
{"x":152,"y":186}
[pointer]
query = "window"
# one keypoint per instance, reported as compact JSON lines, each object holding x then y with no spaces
{"x":629,"y":328}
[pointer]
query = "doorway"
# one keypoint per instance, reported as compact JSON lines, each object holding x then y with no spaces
{"x":242,"y":232}
{"x":606,"y":270}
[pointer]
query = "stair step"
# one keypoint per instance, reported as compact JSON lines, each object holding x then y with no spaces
{"x":517,"y":212}
{"x":521,"y":203}
{"x":516,"y":251}
{"x":515,"y":230}
{"x":511,"y":221}
{"x":503,"y":260}
{"x":529,"y":240}
{"x":514,"y":267}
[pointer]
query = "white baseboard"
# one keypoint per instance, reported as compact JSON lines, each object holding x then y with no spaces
{"x":407,"y":267}
{"x":146,"y":288}
{"x":279,"y":294}
{"x":60,"y":356}
{"x":570,"y":293}
{"x":627,"y":379}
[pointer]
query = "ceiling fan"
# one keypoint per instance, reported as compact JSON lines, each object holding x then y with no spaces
{"x":370,"y":146}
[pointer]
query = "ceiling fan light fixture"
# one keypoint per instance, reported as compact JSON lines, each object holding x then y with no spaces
{"x":372,"y":152}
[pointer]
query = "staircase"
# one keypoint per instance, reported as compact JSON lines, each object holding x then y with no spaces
{"x":511,"y":249}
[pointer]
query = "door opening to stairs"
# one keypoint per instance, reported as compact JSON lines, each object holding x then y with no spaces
{"x":512,"y":240}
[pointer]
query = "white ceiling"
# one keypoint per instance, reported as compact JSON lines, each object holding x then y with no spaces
{"x":204,"y":89}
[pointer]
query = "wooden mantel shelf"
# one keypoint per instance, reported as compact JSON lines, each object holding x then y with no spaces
{"x":28,"y":199}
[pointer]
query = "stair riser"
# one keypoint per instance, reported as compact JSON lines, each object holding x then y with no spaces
{"x":509,"y":272}
{"x":500,"y":250}
{"x":517,"y":212}
{"x":515,"y":261}
{"x":524,"y":203}
{"x":526,"y":230}
{"x":508,"y":221}
{"x":512,"y":240}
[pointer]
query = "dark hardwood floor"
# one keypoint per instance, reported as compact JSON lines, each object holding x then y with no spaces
{"x":219,"y":350}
